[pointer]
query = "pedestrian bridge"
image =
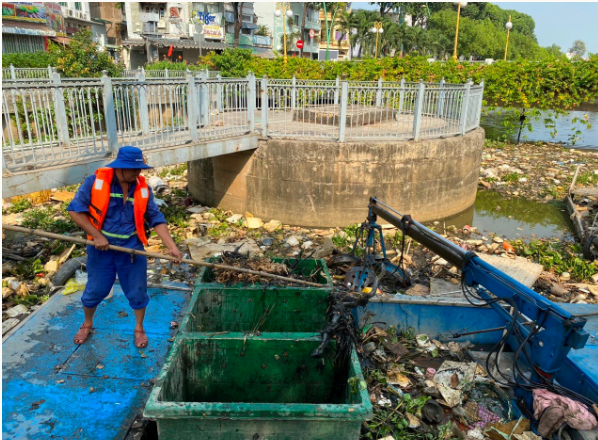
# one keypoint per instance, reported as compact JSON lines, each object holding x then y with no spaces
{"x":57,"y":131}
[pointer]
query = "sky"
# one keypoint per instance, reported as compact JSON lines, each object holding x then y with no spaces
{"x":556,"y":23}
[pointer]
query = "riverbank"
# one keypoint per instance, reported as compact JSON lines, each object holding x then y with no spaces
{"x":538,"y":172}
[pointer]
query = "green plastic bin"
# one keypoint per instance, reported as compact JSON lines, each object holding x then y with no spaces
{"x":239,"y":387}
{"x":250,"y":308}
{"x":306,"y":267}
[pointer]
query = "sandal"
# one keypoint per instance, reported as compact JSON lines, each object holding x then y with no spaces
{"x":82,"y":334}
{"x":140,"y":339}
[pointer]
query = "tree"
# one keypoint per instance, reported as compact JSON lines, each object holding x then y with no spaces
{"x":554,"y":51}
{"x":238,"y":14}
{"x":332,"y":9}
{"x":82,"y":58}
{"x":263,"y":31}
{"x":578,"y":49}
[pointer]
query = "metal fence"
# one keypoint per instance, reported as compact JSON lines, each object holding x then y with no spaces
{"x":13,"y":73}
{"x":60,"y":121}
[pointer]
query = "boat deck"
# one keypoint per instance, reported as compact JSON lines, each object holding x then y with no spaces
{"x":53,"y":388}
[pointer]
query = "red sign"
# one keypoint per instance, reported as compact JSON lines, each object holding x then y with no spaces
{"x":312,"y":33}
{"x":299,"y":44}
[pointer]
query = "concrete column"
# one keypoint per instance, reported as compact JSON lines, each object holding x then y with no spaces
{"x":265,"y":106}
{"x":417,"y":113}
{"x":13,"y":72}
{"x":465,"y":107}
{"x":344,"y":105}
{"x":251,"y":97}
{"x":293,"y":92}
{"x":109,"y":112}
{"x":219,"y":96}
{"x":192,"y":107}
{"x":401,"y":95}
{"x":62,"y":124}
{"x":440,"y":109}
{"x":143,"y":105}
{"x":379,"y":93}
{"x":204,"y":98}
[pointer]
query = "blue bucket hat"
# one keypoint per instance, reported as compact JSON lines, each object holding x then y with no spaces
{"x":129,"y":158}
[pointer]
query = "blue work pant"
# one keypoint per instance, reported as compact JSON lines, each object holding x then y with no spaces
{"x":102,"y":267}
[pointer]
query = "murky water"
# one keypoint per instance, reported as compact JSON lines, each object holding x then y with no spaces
{"x":515,"y":218}
{"x":493,"y":124}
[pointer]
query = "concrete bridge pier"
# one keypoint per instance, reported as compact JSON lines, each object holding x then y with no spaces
{"x":323,"y":184}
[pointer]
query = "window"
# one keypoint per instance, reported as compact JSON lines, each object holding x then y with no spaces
{"x":161,"y":12}
{"x":296,"y":19}
{"x":78,"y":6}
{"x":248,"y":18}
{"x":65,"y":4}
{"x":230,"y":28}
{"x":246,"y":31}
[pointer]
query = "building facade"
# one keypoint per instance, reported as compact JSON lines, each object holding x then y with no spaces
{"x":334,"y":46}
{"x":112,"y":17}
{"x":185,"y":30}
{"x":28,"y":27}
{"x":266,"y":16}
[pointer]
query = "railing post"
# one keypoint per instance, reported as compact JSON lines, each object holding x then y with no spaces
{"x":109,"y":112}
{"x":204,"y":97}
{"x":13,"y":73}
{"x":440,"y":108}
{"x":192,"y":107}
{"x":293,"y":92}
{"x":379,"y":93}
{"x":62,"y":124}
{"x":265,"y":106}
{"x":50,"y":72}
{"x":337,"y":89}
{"x":143,"y":104}
{"x":465,"y":108}
{"x":344,"y":105}
{"x":481,"y":102}
{"x":166,"y":73}
{"x":251,"y":96}
{"x":417,"y":112}
{"x":219,"y":96}
{"x":402,"y":95}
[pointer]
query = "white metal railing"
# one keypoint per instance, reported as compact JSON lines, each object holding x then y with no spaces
{"x":72,"y":119}
{"x":13,"y":73}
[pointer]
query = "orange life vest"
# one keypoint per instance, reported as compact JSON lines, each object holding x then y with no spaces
{"x":100,"y":199}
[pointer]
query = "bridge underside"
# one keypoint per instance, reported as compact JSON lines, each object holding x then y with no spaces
{"x":73,"y":172}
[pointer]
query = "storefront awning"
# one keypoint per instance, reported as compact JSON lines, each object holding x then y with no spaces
{"x":264,"y":53}
{"x":27,"y":29}
{"x":61,"y":40}
{"x":177,"y":44}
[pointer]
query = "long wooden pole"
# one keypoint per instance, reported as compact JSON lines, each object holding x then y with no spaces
{"x":156,"y":255}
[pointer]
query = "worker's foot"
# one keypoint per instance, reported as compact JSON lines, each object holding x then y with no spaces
{"x":140,"y":339}
{"x":83,"y":334}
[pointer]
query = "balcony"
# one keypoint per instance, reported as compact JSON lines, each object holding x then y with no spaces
{"x":313,"y":24}
{"x":311,"y":47}
{"x":259,"y":40}
{"x":244,"y":40}
{"x":77,"y":15}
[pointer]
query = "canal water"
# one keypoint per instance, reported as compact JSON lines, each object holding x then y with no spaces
{"x":493,"y":123}
{"x":515,"y":218}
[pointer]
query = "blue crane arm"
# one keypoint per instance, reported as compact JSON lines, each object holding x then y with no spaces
{"x":555,"y":331}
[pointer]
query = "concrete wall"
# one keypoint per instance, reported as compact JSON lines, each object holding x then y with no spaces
{"x":315,"y":183}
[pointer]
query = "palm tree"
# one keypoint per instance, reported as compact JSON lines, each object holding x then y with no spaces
{"x":344,"y":23}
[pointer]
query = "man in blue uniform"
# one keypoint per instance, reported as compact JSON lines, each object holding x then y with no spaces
{"x":113,"y":206}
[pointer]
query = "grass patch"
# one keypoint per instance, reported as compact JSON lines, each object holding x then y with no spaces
{"x":49,"y":219}
{"x":512,"y":177}
{"x":558,"y":258}
{"x":219,"y":230}
{"x":344,"y":242}
{"x":587,"y":179}
{"x":175,"y":215}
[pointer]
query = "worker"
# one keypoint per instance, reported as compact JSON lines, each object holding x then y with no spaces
{"x":114,"y":207}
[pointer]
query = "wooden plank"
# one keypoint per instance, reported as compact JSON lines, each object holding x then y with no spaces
{"x":581,"y":191}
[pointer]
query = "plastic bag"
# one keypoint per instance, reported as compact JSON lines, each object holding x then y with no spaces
{"x":75,"y":284}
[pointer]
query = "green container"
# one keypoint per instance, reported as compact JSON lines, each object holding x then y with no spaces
{"x":305,"y":268}
{"x":238,"y":387}
{"x":251,"y":308}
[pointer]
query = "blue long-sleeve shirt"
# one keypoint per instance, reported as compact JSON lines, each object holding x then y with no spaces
{"x":120,"y":218}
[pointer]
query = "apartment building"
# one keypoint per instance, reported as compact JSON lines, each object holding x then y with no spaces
{"x":266,"y":15}
{"x":191,"y":29}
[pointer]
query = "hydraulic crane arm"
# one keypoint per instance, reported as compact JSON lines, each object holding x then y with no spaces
{"x":555,"y":331}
